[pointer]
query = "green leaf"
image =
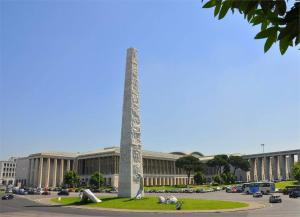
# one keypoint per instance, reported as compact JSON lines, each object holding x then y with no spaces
{"x":270,"y":41}
{"x":257,"y":20}
{"x":251,"y":5}
{"x":210,"y":4}
{"x":264,"y":25}
{"x":217,"y":8}
{"x":250,"y":15}
{"x":283,"y":45}
{"x":283,"y":33}
{"x":281,"y":7}
{"x":266,"y":33}
{"x":224,"y":9}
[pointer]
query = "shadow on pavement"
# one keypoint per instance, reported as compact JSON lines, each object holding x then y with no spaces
{"x":45,"y":205}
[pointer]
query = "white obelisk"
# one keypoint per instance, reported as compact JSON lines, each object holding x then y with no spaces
{"x":131,"y":163}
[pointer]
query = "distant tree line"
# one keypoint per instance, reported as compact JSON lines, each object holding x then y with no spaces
{"x":221,"y":163}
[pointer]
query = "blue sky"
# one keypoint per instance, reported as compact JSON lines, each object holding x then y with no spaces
{"x":205,"y":84}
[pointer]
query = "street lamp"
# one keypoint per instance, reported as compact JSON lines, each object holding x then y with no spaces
{"x":263,"y":147}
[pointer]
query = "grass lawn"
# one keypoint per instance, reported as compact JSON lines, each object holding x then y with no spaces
{"x":151,"y":203}
{"x":282,"y":185}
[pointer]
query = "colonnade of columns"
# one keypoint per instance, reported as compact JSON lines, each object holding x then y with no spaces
{"x":161,"y":181}
{"x":277,"y":167}
{"x":48,"y":172}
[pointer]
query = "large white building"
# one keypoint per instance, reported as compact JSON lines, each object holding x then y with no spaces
{"x":47,"y":169}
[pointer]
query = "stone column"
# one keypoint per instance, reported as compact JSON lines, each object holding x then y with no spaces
{"x":270,"y":169}
{"x":259,"y":168}
{"x":75,"y":165}
{"x":251,"y":161}
{"x":290,"y":165}
{"x":40,"y":173}
{"x":35,"y":172}
{"x":54,"y":172}
{"x":68,"y":165}
{"x":61,"y":175}
{"x":283,"y":166}
{"x":267,"y":168}
{"x":47,"y":173}
{"x":29,"y":175}
{"x":131,"y":163}
{"x":31,"y":183}
{"x":277,"y":170}
{"x":263,"y":167}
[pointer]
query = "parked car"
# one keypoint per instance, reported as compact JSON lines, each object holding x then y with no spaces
{"x":294,"y":194}
{"x":291,"y":188}
{"x":63,"y":192}
{"x":228,"y":189}
{"x":22,"y":191}
{"x":31,"y":191}
{"x":8,"y":197}
{"x":257,"y":194}
{"x":275,"y":199}
{"x":188,"y":190}
{"x":239,"y":189}
{"x":200,"y":190}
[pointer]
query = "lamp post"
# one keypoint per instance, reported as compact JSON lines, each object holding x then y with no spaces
{"x":263,"y":148}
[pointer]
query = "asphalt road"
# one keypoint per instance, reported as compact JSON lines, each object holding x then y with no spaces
{"x":23,"y":207}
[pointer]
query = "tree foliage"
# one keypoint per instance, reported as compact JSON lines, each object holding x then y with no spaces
{"x":218,"y":162}
{"x":199,"y":178}
{"x":237,"y":162}
{"x":96,"y":180}
{"x":217,"y":179}
{"x":228,"y":178}
{"x":189,"y":164}
{"x":296,"y":171}
{"x":278,"y":23}
{"x":71,"y":179}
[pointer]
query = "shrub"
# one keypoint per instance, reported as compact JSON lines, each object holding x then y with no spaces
{"x":217,"y":179}
{"x":199,"y":178}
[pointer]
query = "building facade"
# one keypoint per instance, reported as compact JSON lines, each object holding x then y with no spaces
{"x":272,"y":166}
{"x":22,"y":168}
{"x":7,"y":171}
{"x":47,"y":169}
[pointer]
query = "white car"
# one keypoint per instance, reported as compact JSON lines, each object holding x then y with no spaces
{"x":257,"y":194}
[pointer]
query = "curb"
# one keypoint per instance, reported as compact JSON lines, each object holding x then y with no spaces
{"x":251,"y":206}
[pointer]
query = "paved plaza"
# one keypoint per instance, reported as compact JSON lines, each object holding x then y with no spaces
{"x":34,"y":205}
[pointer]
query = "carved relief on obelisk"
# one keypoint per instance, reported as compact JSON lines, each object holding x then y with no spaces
{"x":131,"y":167}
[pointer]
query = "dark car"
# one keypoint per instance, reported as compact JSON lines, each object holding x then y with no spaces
{"x":8,"y":197}
{"x":63,"y":192}
{"x":294,"y":194}
{"x":275,"y":199}
{"x":291,"y":188}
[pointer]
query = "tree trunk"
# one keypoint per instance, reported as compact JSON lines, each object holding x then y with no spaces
{"x":188,"y":175}
{"x":234,"y":170}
